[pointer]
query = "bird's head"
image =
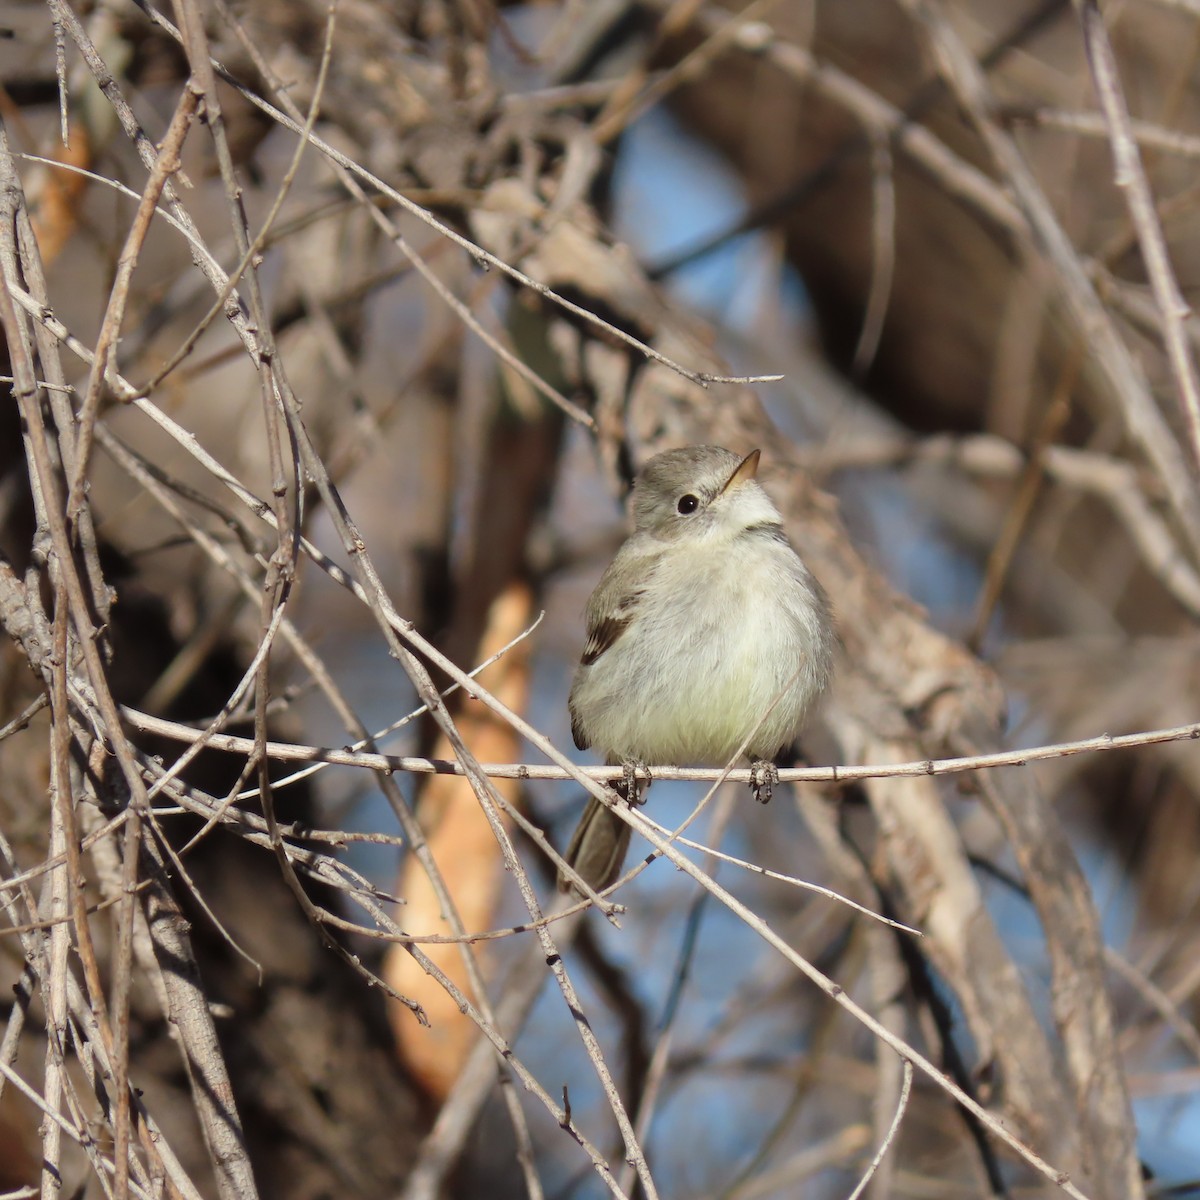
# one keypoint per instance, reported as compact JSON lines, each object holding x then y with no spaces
{"x":701,"y":492}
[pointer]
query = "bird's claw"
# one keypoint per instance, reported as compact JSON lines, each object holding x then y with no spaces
{"x":763,"y":778}
{"x":630,"y":787}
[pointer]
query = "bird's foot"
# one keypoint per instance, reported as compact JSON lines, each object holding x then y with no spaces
{"x":764,"y":776}
{"x":630,"y":787}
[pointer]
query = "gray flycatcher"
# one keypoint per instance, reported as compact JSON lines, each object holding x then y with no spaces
{"x":707,"y":636}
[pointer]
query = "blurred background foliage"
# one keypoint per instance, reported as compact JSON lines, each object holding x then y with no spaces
{"x":985,"y":442}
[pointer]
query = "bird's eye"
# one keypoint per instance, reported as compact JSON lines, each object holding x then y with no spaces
{"x":688,"y":504}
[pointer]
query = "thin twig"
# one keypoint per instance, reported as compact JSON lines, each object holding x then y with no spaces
{"x":1119,"y":484}
{"x":883,"y":252}
{"x":165,"y":165}
{"x":1090,"y":124}
{"x":260,"y":239}
{"x":1127,"y":386}
{"x":790,"y":880}
{"x":901,"y":1106}
{"x":1131,"y":179}
{"x":484,"y":258}
{"x":848,"y":773}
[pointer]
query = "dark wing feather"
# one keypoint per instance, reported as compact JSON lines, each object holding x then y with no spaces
{"x":580,"y":738}
{"x":606,"y":631}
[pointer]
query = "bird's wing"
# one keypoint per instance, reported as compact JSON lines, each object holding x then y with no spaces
{"x":610,"y":610}
{"x":611,"y":607}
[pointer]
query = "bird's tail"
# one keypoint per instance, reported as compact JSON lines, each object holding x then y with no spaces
{"x":598,"y":846}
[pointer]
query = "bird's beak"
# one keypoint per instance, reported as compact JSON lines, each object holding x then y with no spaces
{"x":747,"y":469}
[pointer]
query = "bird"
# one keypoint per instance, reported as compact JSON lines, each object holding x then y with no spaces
{"x":707,"y":636}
